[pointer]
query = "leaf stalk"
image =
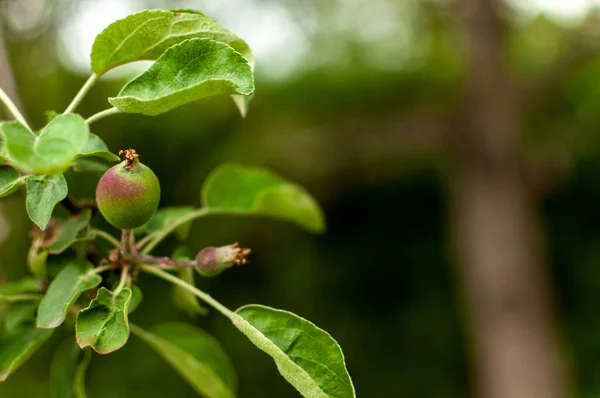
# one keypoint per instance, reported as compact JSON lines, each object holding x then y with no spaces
{"x":106,"y":236}
{"x":102,"y":114}
{"x":123,"y":281}
{"x":82,"y":92}
{"x":197,"y":292}
{"x":12,"y":108}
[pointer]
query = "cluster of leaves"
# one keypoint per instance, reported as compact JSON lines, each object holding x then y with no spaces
{"x":75,"y":284}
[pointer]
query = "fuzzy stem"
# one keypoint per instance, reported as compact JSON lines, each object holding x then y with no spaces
{"x":123,"y":281}
{"x":102,"y":114}
{"x":106,"y":236}
{"x":197,"y":292}
{"x":12,"y":108}
{"x":132,"y":242}
{"x":82,"y":92}
{"x":126,"y":243}
{"x":144,"y":258}
{"x":145,"y":240}
{"x":103,"y":268}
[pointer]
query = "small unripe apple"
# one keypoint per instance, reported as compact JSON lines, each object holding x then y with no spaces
{"x":128,"y":193}
{"x":211,"y":261}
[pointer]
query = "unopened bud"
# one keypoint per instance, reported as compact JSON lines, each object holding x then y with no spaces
{"x":211,"y":261}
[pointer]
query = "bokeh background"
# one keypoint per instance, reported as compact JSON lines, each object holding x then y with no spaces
{"x":366,"y":103}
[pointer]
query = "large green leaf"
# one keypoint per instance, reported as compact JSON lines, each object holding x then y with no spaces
{"x":71,"y":281}
{"x":18,"y":346}
{"x":146,"y":35}
{"x":95,"y":147}
{"x":237,"y":189}
{"x":64,"y":369}
{"x":19,"y":314}
{"x":166,"y":216}
{"x":21,"y":286}
{"x":68,"y":232}
{"x":218,"y":33}
{"x":14,"y":291}
{"x":104,"y":325}
{"x":195,"y":355}
{"x":43,"y":193}
{"x":189,"y":71}
{"x":50,"y":152}
{"x":10,"y":180}
{"x":306,"y":356}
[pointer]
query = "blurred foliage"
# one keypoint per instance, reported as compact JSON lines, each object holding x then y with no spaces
{"x":359,"y":121}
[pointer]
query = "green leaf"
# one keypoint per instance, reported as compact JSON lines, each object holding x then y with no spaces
{"x":237,"y":189}
{"x":79,"y":382}
{"x":166,"y":216}
{"x":146,"y":35}
{"x":21,"y":286}
{"x":223,"y":35}
{"x":136,"y":298}
{"x":19,"y":314}
{"x":104,"y":325}
{"x":195,"y":355}
{"x":71,"y":281}
{"x":64,"y":370}
{"x":70,"y":231}
{"x":186,"y":72}
{"x":17,"y":347}
{"x":3,"y":158}
{"x":13,"y":291}
{"x":95,"y":147}
{"x":10,"y":180}
{"x":183,"y":298}
{"x":52,"y":151}
{"x":43,"y":193}
{"x":91,"y":165}
{"x":306,"y":356}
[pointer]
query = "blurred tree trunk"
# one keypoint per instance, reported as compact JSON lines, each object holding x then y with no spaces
{"x":7,"y":82}
{"x":495,"y":225}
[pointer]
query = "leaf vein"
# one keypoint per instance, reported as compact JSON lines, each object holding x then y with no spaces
{"x":130,"y":35}
{"x":329,"y":370}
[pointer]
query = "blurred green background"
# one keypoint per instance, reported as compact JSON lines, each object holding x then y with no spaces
{"x":352,"y":101}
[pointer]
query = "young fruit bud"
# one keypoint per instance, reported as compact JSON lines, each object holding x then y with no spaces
{"x":214,"y":260}
{"x":128,"y":193}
